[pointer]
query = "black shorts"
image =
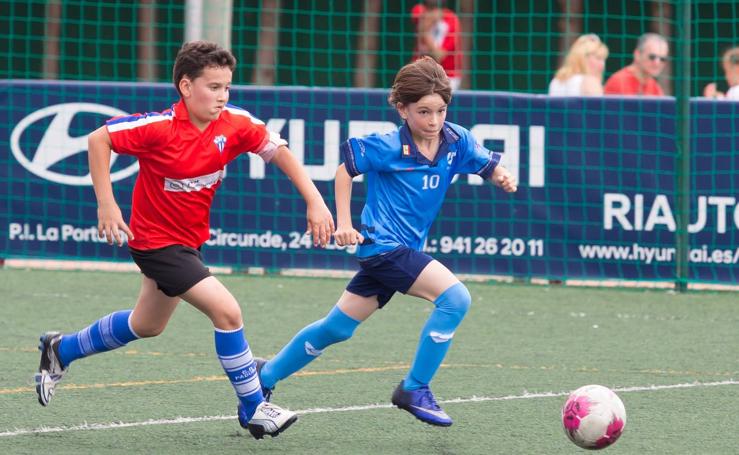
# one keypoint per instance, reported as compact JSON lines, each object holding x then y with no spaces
{"x":385,"y":274}
{"x":175,"y":268}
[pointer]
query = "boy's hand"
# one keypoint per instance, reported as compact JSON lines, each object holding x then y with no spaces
{"x":110,"y":223}
{"x":503,"y":178}
{"x":320,"y":223}
{"x":347,"y":236}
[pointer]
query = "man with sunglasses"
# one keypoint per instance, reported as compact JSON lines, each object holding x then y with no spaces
{"x":640,"y":78}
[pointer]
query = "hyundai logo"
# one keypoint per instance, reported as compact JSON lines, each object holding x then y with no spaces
{"x":57,"y":145}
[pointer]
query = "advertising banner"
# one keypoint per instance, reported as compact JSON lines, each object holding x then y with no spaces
{"x":597,"y":194}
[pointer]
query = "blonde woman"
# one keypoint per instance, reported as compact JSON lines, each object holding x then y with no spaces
{"x":582,"y":71}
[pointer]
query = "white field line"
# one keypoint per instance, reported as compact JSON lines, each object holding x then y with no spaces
{"x":474,"y":399}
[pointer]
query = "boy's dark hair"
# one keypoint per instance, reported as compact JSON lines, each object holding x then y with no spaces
{"x":418,"y":79}
{"x":194,"y":56}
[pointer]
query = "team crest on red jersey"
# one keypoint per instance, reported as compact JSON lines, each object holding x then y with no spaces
{"x":220,"y":142}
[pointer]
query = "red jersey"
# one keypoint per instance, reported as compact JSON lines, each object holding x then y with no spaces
{"x":625,"y":82}
{"x":180,"y":169}
{"x":446,"y":35}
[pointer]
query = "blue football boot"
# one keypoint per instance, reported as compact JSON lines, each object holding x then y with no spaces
{"x":422,"y":404}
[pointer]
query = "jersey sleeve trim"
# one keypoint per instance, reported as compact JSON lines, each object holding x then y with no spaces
{"x":347,"y":156}
{"x":269,"y":148}
{"x":486,"y":171}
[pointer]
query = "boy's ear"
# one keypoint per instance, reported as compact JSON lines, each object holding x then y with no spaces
{"x":185,"y":86}
{"x":400,"y":107}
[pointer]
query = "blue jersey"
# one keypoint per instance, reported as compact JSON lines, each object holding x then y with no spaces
{"x":404,"y":189}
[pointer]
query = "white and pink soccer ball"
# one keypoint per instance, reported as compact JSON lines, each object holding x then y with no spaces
{"x":593,"y":417}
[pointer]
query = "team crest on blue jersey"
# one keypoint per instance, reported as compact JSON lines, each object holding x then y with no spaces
{"x":450,"y":157}
{"x":220,"y":142}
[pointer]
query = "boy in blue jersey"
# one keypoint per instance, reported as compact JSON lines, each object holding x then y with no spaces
{"x":408,"y":173}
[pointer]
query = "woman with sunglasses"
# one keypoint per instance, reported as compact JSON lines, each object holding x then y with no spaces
{"x":640,"y":78}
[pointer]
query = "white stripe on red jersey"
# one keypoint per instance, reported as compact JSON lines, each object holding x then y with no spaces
{"x":181,"y":167}
{"x":138,"y":120}
{"x":238,"y":111}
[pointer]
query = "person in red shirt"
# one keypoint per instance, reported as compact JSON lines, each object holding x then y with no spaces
{"x":640,"y":78}
{"x":439,"y":36}
{"x":182,"y":154}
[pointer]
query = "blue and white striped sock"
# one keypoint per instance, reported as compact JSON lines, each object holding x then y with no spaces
{"x":107,"y":333}
{"x":236,"y":358}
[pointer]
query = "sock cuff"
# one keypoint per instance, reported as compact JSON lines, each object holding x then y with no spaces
{"x":130,"y":326}
{"x":339,"y":317}
{"x":228,"y":331}
{"x":230,"y":342}
{"x":452,"y":291}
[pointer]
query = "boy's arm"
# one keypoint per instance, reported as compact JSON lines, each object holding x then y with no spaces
{"x":503,"y":178}
{"x":110,"y":218}
{"x":320,"y":221}
{"x":345,"y":233}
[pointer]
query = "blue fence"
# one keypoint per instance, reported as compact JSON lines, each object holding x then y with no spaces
{"x":596,"y":200}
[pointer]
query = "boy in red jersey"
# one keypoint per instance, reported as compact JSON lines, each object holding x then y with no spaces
{"x":182,"y":154}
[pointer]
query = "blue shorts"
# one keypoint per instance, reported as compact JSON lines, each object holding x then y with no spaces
{"x":384,"y":274}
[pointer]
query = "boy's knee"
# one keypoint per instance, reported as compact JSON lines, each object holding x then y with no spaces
{"x":455,"y":300}
{"x":338,"y":333}
{"x":337,"y":326}
{"x":227,"y":317}
{"x":148,"y":330}
{"x":231,"y":320}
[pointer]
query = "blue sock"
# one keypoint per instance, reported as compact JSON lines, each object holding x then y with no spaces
{"x":107,"y":333}
{"x":236,"y":358}
{"x":308,"y":344}
{"x":436,"y":336}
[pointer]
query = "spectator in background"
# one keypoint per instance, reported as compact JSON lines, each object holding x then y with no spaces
{"x":581,"y":73}
{"x":438,"y":35}
{"x":640,"y":78}
{"x":730,"y":62}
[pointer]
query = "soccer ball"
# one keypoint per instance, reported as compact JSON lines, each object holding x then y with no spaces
{"x":593,"y":417}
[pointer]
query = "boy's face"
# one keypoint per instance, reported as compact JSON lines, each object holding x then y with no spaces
{"x":425,"y":117}
{"x":206,"y":96}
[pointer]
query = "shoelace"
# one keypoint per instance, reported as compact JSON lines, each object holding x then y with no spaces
{"x":271,"y":411}
{"x":427,"y":399}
